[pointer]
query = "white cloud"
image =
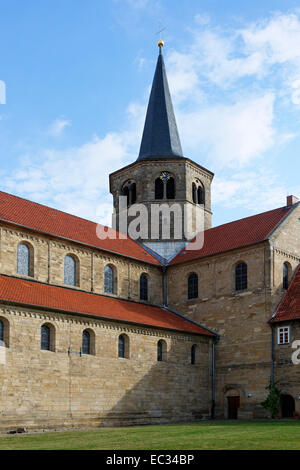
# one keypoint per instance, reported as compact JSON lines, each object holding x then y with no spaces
{"x":231,"y":135}
{"x":58,"y":126}
{"x":255,"y":191}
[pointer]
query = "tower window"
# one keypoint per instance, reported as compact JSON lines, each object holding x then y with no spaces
{"x":194,"y":193}
{"x":241,"y":277}
{"x":129,"y":190}
{"x":171,"y":188}
{"x":193,"y":286}
{"x":159,"y":189}
{"x":143,"y":287}
{"x":1,"y":331}
{"x":200,"y":195}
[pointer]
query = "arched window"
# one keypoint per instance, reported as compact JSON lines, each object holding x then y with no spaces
{"x":159,"y":189}
{"x":24,"y":267}
{"x":86,"y":342}
{"x":241,"y":277}
{"x":4,"y":332}
{"x":123,"y":347}
{"x":193,"y":354}
{"x":129,"y":190}
{"x":109,"y":280}
{"x":70,"y":271}
{"x":171,"y":188}
{"x":45,"y":338}
{"x":161,"y":350}
{"x":201,"y":195}
{"x":286,"y":275}
{"x":133,"y":193}
{"x":198,"y":193}
{"x":193,"y":286}
{"x":143,"y":287}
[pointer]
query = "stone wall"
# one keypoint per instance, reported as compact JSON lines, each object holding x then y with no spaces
{"x":243,"y":354}
{"x":49,"y":254}
{"x":51,"y":389}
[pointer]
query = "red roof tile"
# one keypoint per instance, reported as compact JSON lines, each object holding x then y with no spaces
{"x":19,"y":291}
{"x":235,"y":234}
{"x":289,"y":307}
{"x":51,"y":221}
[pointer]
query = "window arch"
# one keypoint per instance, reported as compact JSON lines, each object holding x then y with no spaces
{"x":47,"y":337}
{"x":286,"y":273}
{"x":88,"y":342}
{"x":198,"y":193}
{"x":194,"y":354}
{"x":71,"y":270}
{"x":161,"y":350}
{"x":123,"y":347}
{"x":110,"y":279}
{"x":193,"y":286}
{"x":25,"y":259}
{"x":165,"y":186}
{"x":129,"y":190}
{"x":4,"y":332}
{"x":241,"y":276}
{"x":144,"y":287}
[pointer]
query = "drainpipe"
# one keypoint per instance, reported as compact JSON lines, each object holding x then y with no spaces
{"x":164,"y":281}
{"x":212,"y":414}
{"x":272,"y":356}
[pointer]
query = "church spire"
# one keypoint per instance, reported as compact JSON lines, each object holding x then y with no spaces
{"x":160,"y":138}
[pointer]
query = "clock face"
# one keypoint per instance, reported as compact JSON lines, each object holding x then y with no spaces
{"x":164,"y":176}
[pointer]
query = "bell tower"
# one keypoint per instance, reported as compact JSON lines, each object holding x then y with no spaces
{"x":163,"y":190}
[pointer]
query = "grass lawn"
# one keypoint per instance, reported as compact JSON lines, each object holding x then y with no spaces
{"x":203,"y":436}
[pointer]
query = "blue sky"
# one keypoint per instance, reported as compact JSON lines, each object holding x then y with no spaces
{"x":78,"y":75}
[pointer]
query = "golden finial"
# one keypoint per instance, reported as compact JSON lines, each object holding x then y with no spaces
{"x":160,"y":43}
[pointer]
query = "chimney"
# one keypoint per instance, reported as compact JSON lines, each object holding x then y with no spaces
{"x":291,"y":200}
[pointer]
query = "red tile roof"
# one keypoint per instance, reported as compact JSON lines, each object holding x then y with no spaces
{"x":35,"y":216}
{"x":19,"y":291}
{"x":237,"y":234}
{"x":289,"y":307}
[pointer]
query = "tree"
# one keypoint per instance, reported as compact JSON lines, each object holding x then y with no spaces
{"x":272,"y":402}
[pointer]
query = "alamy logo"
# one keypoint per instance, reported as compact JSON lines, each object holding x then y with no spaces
{"x":156,"y":222}
{"x":2,"y":92}
{"x":296,"y":354}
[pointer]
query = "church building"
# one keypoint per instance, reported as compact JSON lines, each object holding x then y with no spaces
{"x":123,"y":330}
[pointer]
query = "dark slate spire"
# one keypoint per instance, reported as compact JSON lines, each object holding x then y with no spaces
{"x":160,"y":137}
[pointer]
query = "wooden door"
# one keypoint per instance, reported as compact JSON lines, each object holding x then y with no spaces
{"x":233,"y":406}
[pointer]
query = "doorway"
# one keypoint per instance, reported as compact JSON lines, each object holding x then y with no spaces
{"x":287,"y":406}
{"x":233,"y":406}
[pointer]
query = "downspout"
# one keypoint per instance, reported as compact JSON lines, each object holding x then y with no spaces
{"x":213,"y":379}
{"x":164,"y":286}
{"x":272,"y":356}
